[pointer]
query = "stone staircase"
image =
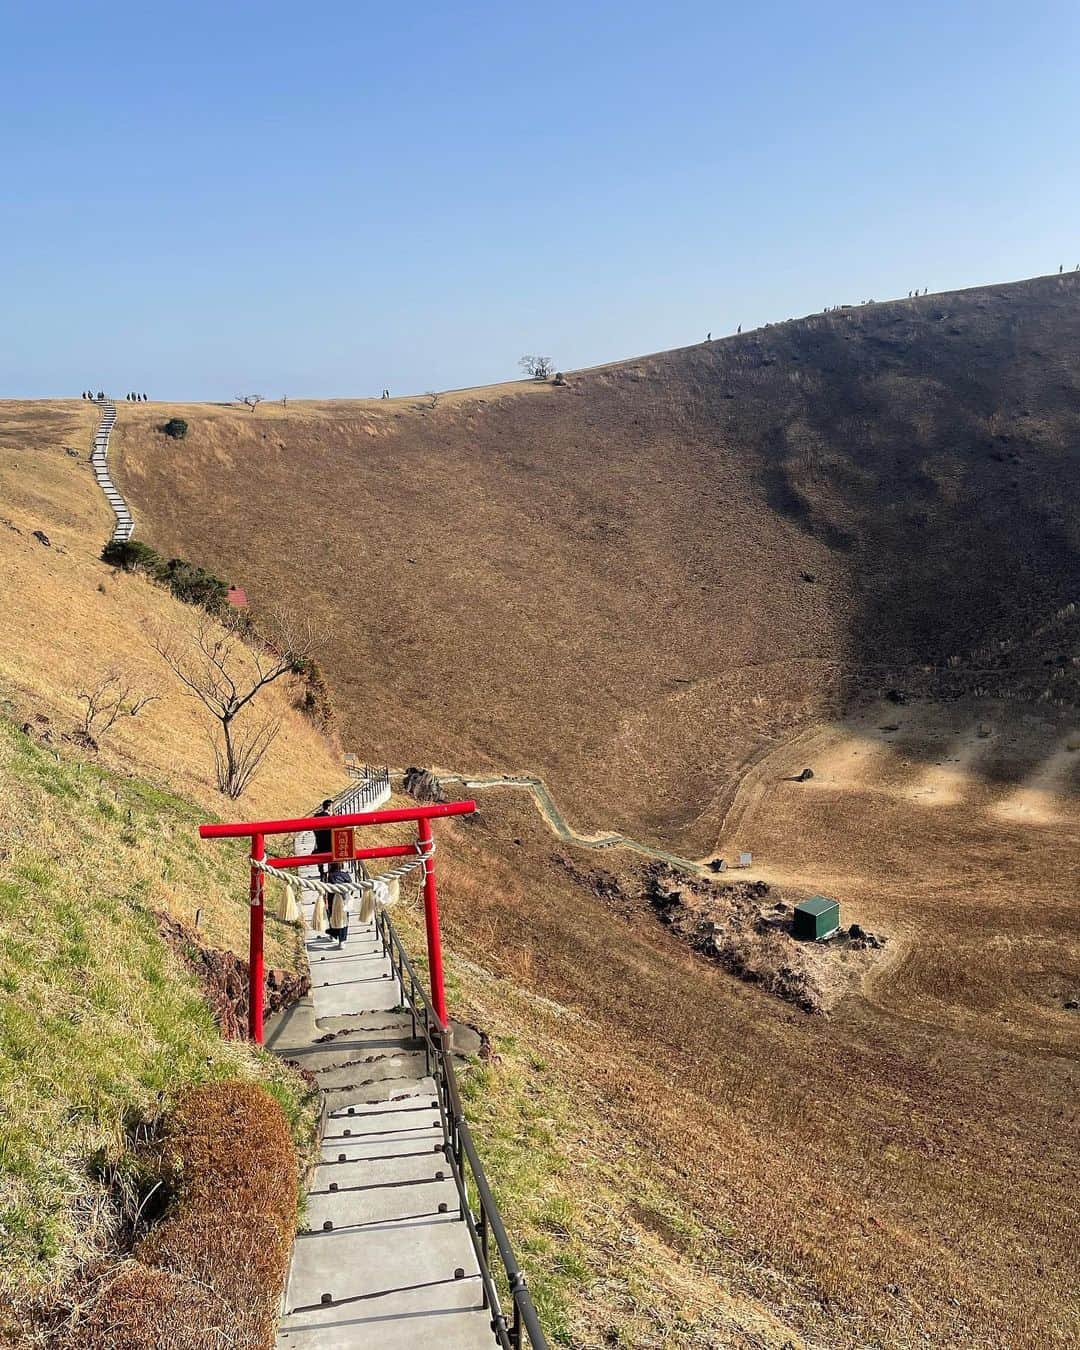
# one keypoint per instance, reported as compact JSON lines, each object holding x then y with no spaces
{"x":99,"y":462}
{"x":386,"y":1258}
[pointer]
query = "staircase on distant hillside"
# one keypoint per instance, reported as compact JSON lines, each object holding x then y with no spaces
{"x":99,"y":460}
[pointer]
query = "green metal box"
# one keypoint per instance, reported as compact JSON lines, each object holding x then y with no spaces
{"x":816,"y":918}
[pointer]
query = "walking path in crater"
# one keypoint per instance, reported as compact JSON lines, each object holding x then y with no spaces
{"x":558,"y":823}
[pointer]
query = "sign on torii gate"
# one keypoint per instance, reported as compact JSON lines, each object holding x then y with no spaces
{"x":344,"y":847}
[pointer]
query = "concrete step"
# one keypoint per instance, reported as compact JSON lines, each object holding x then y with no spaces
{"x":387,"y":1022}
{"x":355,"y":1134}
{"x":391,"y":1286}
{"x":414,"y":1167}
{"x":369,"y":995}
{"x":333,"y":963}
{"x":320,"y":1059}
{"x":388,"y":1068}
{"x":383,"y":1112}
{"x":426,"y":1202}
{"x":380,"y":1091}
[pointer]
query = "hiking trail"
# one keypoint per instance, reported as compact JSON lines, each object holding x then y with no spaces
{"x":557,"y":822}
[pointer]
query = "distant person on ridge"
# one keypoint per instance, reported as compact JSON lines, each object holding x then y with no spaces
{"x":324,"y":839}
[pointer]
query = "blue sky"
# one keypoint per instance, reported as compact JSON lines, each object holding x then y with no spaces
{"x":204,"y":199}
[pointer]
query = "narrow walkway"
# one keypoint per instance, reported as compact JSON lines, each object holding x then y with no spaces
{"x":385,"y":1259}
{"x":99,"y":461}
{"x":557,"y":822}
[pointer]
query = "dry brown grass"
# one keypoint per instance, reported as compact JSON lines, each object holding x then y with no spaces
{"x":69,"y":618}
{"x":901,"y":1172}
{"x":603,"y":584}
{"x":210,"y":1273}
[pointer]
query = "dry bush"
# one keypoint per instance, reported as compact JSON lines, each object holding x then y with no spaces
{"x":113,"y":695}
{"x":210,"y":1273}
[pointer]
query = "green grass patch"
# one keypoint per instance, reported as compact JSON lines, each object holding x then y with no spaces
{"x":99,"y":1024}
{"x":519,"y":1119}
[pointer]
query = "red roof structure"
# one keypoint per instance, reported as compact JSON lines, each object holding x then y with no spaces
{"x":238,"y":597}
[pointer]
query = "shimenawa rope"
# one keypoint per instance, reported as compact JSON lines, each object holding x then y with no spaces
{"x":371,"y":891}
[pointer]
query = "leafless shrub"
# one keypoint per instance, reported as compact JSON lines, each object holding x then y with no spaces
{"x":226,"y":675}
{"x":239,"y":751}
{"x":539,"y":367}
{"x":251,"y":400}
{"x":113,"y":696}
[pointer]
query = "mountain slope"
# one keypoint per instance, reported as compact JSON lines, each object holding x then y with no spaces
{"x":524,"y":578}
{"x":633,"y":583}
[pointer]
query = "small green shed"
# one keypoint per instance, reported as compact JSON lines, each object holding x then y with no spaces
{"x":816,"y":918}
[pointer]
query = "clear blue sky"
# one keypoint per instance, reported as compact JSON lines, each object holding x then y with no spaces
{"x":323,"y":199}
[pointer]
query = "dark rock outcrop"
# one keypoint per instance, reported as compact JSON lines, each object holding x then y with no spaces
{"x":423,"y":785}
{"x":223,"y":978}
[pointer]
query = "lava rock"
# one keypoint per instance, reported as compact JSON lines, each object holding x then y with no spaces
{"x":423,"y":785}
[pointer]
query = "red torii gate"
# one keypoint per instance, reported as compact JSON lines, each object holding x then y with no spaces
{"x":257,"y":831}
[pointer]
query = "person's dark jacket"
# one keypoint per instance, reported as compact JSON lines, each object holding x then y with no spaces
{"x":324,"y":839}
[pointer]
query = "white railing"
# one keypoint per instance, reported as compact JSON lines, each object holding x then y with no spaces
{"x":368,"y":792}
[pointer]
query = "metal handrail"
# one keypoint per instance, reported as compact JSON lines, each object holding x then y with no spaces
{"x":460,"y":1152}
{"x":367,"y":789}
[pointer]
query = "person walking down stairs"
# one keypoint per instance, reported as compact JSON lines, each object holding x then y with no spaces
{"x":338,"y":906}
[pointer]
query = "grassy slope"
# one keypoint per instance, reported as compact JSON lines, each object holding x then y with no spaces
{"x":96,"y":1018}
{"x":69,"y":618}
{"x":918,"y":1140}
{"x":98,"y":1024}
{"x":603,"y":582}
{"x":613,"y":1253}
{"x":893,"y":1174}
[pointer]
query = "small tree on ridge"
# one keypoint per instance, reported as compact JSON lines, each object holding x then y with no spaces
{"x":539,"y":367}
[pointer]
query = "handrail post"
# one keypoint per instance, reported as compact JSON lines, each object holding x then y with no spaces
{"x":256,"y":915}
{"x":431,"y":920}
{"x":484,"y":1242}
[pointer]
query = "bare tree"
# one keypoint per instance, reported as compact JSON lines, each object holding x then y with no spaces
{"x":252,"y":400}
{"x":226,"y":675}
{"x":113,"y":696}
{"x":539,"y":367}
{"x":433,"y":397}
